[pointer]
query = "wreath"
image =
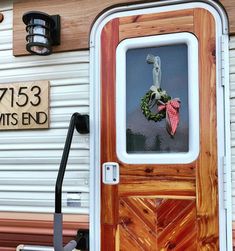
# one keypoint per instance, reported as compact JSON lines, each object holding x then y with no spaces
{"x":152,"y":97}
{"x":166,"y":107}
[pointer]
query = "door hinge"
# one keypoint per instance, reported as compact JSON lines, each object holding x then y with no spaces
{"x":223,"y":60}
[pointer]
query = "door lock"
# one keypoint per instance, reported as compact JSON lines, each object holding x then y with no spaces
{"x":110,"y":173}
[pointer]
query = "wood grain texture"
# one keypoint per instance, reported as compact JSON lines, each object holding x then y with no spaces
{"x":229,"y":6}
{"x":207,"y":188}
{"x":194,"y":182}
{"x":164,"y":187}
{"x":135,"y":226}
{"x":151,"y":24}
{"x":176,"y":225}
{"x":108,"y":236}
{"x":109,"y":41}
{"x":182,"y":172}
{"x":157,"y":224}
{"x":77,"y":19}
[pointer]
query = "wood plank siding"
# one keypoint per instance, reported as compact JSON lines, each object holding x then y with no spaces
{"x":77,"y":19}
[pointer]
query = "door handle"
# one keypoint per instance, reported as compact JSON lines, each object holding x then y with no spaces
{"x":110,"y":173}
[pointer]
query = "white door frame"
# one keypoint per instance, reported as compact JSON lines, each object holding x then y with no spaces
{"x":223,"y":132}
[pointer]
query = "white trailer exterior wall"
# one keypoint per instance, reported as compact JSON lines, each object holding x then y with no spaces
{"x":232,"y":109}
{"x":29,"y":159}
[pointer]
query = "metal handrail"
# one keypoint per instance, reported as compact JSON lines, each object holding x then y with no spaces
{"x":81,"y":123}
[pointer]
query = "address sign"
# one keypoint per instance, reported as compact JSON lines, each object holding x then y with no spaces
{"x":24,"y":105}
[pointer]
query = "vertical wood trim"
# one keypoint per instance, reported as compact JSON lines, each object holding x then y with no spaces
{"x":206,"y":181}
{"x":109,"y":200}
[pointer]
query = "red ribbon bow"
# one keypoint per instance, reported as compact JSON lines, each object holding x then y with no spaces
{"x":172,"y":115}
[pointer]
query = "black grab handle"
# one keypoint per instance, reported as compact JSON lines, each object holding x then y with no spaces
{"x":81,"y":123}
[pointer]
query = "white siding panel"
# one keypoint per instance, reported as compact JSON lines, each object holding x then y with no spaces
{"x":82,"y":165}
{"x":5,"y":41}
{"x":7,"y":21}
{"x":6,"y":5}
{"x":30,"y":159}
{"x":232,"y":109}
{"x":232,"y":43}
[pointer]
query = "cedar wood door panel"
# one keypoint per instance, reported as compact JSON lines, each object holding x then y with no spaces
{"x":161,"y":207}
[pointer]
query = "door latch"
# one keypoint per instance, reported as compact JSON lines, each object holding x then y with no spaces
{"x":110,"y":173}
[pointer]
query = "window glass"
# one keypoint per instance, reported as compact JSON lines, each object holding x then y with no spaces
{"x":143,"y":136}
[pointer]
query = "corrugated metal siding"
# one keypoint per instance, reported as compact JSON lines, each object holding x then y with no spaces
{"x":232,"y":98}
{"x":29,"y":159}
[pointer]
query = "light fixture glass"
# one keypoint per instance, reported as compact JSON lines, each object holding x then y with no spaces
{"x":43,"y":32}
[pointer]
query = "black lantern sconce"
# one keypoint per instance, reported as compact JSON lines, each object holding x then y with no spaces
{"x":43,"y":32}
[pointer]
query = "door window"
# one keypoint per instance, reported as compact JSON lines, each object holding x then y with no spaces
{"x":157,"y":99}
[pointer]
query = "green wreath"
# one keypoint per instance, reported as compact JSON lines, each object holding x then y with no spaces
{"x":148,"y":101}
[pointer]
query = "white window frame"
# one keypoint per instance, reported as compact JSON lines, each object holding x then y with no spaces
{"x":193,"y":99}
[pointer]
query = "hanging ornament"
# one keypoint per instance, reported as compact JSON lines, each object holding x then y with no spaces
{"x":166,"y":106}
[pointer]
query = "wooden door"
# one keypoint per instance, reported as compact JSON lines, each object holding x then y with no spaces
{"x":161,"y":206}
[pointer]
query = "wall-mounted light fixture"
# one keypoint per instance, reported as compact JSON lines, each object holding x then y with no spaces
{"x":43,"y":32}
